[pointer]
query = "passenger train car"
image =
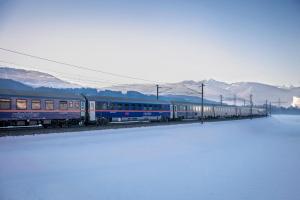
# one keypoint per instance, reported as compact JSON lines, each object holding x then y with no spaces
{"x":188,"y":110}
{"x":32,"y":108}
{"x":19,"y":108}
{"x":107,"y":109}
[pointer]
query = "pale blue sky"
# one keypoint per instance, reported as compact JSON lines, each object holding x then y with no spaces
{"x":166,"y":41}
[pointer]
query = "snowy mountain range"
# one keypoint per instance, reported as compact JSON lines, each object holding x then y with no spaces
{"x":212,"y":90}
{"x":34,"y":78}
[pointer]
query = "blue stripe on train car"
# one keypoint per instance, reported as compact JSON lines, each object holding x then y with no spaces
{"x":119,"y":114}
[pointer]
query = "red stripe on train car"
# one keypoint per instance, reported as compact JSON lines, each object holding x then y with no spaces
{"x":131,"y":110}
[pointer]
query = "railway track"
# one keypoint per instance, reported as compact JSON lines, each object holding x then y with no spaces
{"x":32,"y":130}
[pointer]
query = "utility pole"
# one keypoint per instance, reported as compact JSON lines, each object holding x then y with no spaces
{"x":202,"y":94}
{"x":266,"y":108}
{"x":251,"y":106}
{"x":234,"y":101}
{"x":221,"y":100}
{"x":279,"y":102}
{"x":244,"y":102}
{"x":157,"y":91}
{"x":270,"y":110}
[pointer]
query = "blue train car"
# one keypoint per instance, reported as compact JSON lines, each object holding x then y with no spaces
{"x":108,"y":109}
{"x":32,"y":108}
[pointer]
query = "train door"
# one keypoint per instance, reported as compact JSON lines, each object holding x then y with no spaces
{"x":175,"y":116}
{"x":92,"y":112}
{"x":186,"y":112}
{"x":82,"y":109}
{"x":171,"y":112}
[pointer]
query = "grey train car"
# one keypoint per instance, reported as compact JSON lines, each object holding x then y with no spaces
{"x":188,"y":110}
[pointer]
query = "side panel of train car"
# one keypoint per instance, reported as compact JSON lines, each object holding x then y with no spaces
{"x":186,"y":110}
{"x":127,"y":110}
{"x":32,"y":110}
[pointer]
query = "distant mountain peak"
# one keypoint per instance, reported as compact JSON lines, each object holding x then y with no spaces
{"x":34,"y":78}
{"x":188,"y":88}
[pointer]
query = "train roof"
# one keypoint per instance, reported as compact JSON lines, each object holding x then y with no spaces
{"x":126,"y":100}
{"x":199,"y":103}
{"x":36,"y":93}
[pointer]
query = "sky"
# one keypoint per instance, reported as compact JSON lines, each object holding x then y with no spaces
{"x":161,"y":41}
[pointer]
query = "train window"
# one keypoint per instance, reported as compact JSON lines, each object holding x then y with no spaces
{"x":126,"y":106}
{"x":76,"y":104}
{"x":138,"y":106}
{"x":49,"y":105}
{"x":159,"y":107}
{"x":63,"y":105}
{"x":21,"y":104}
{"x":133,"y":106}
{"x":112,"y":106}
{"x":35,"y":104}
{"x":5,"y":104}
{"x":102,"y":105}
{"x":144,"y":107}
{"x":147,"y":107}
{"x":109,"y":106}
{"x":70,"y":104}
{"x":119,"y":106}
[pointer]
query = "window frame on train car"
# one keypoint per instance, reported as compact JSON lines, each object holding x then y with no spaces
{"x":64,"y":103}
{"x":33,"y":101}
{"x":147,"y":107}
{"x":159,"y":107}
{"x":70,"y":104}
{"x":18,"y":108}
{"x":100,"y":105}
{"x":119,"y":106}
{"x":5,"y":100}
{"x":77,"y":105}
{"x":113,"y":106}
{"x":108,"y":105}
{"x":126,"y":106}
{"x":133,"y":106}
{"x":49,"y":102}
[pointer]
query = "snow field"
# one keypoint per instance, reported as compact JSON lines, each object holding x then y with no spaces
{"x":246,"y":159}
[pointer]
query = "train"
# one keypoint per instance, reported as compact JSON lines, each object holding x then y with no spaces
{"x":25,"y":108}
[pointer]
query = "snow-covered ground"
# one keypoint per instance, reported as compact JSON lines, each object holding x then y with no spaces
{"x":234,"y":160}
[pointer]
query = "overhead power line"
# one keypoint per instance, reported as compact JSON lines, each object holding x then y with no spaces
{"x":194,"y":91}
{"x":75,"y":66}
{"x":66,"y":75}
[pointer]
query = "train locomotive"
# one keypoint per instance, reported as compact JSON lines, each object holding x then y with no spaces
{"x":23,"y":108}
